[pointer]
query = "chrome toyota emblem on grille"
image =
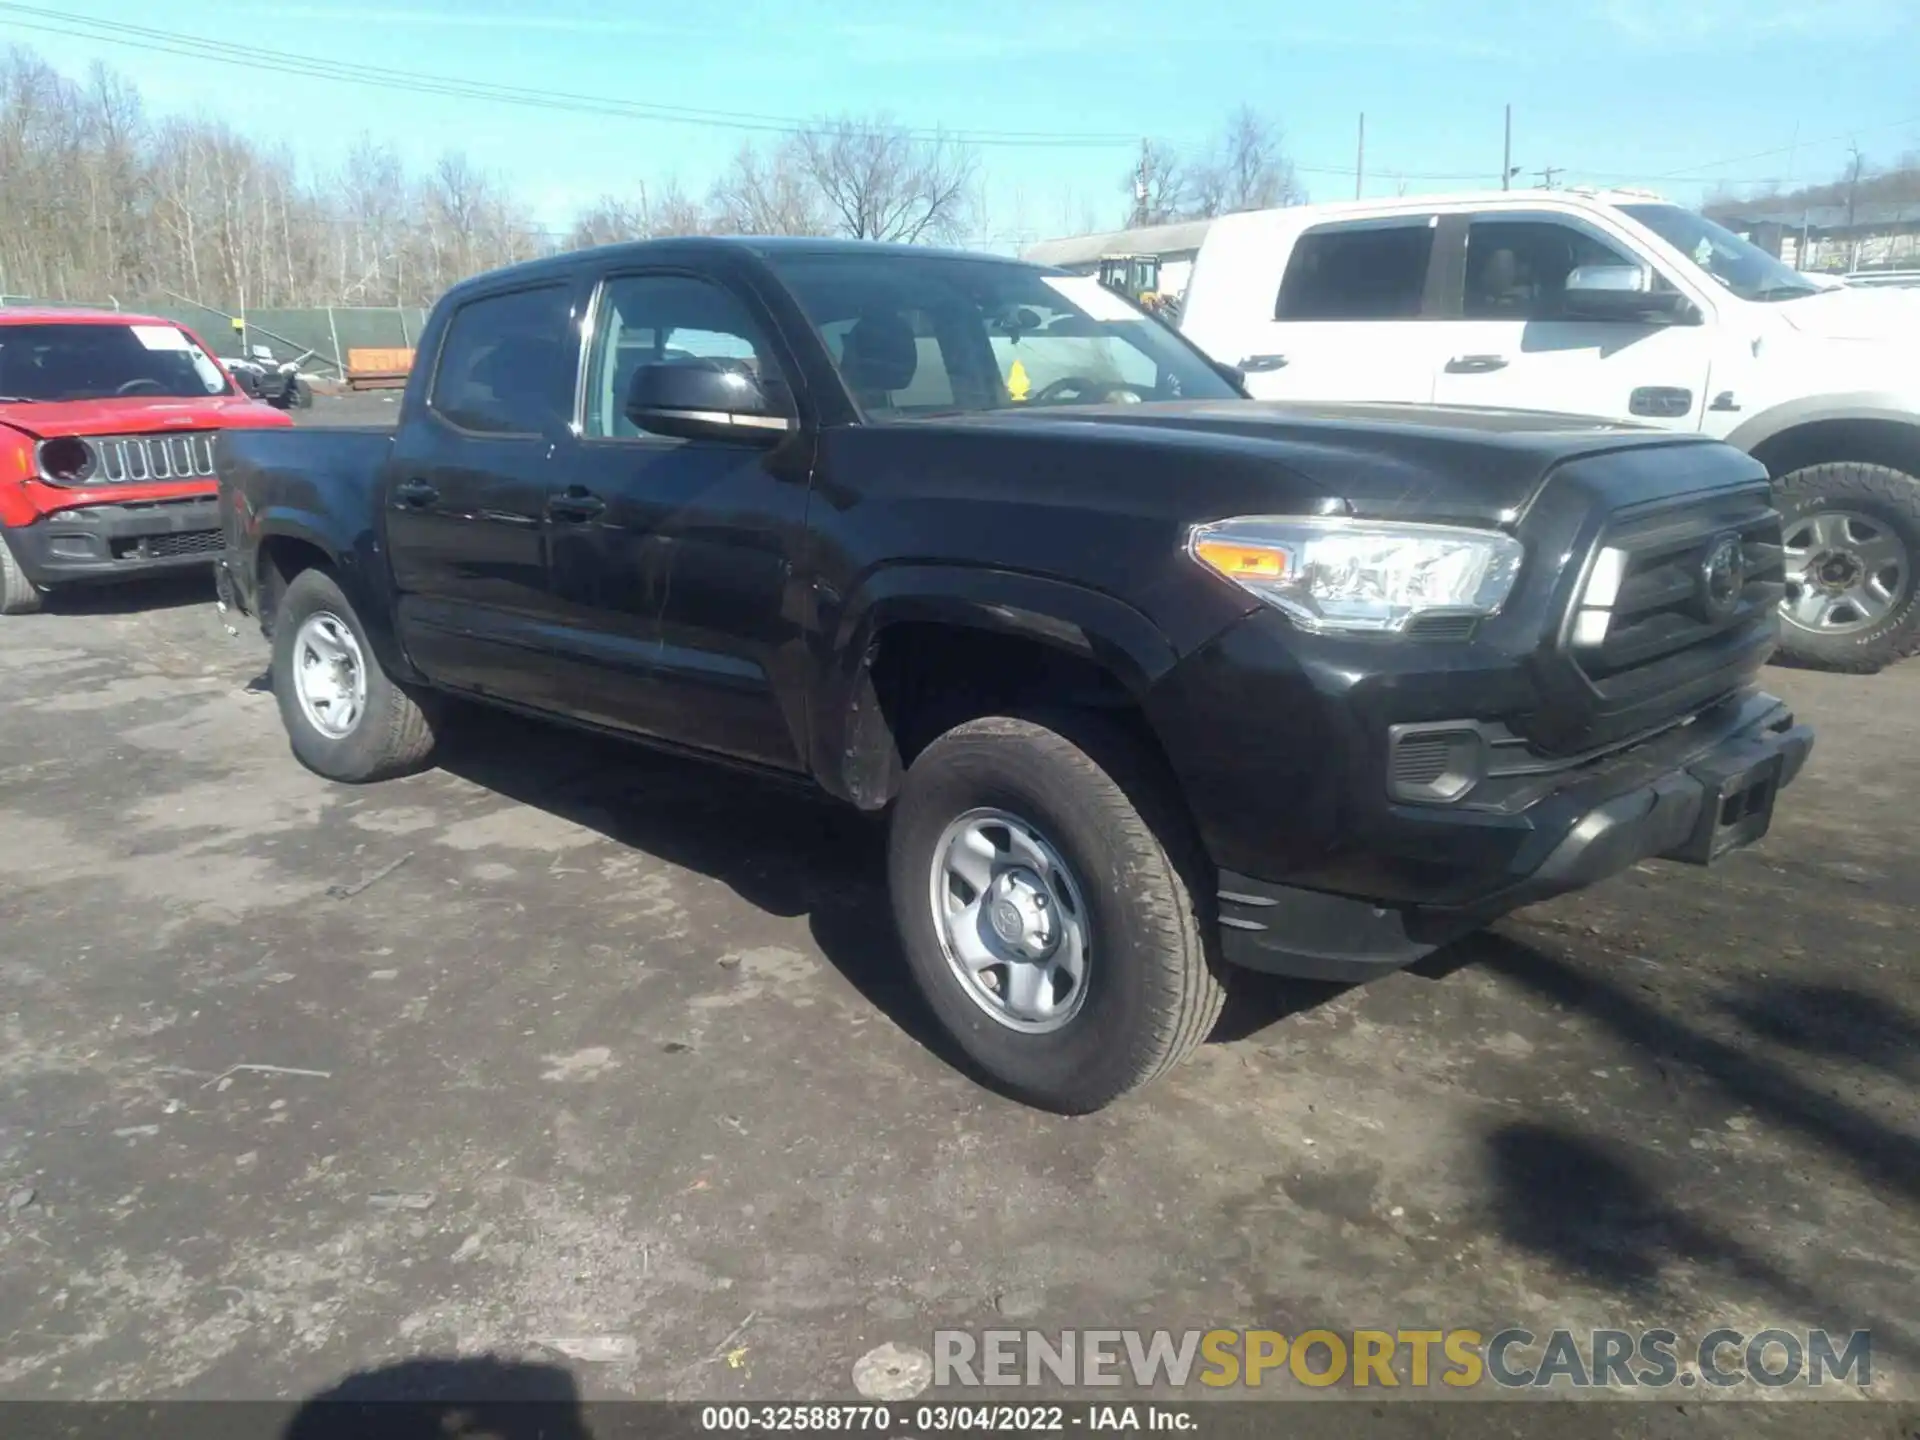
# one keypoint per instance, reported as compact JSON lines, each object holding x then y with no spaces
{"x":1723,"y":577}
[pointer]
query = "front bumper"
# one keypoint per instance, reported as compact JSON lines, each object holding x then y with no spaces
{"x":91,"y":544}
{"x":1690,"y":794}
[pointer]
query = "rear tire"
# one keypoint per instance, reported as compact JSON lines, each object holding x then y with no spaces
{"x":18,"y":594}
{"x":1093,"y":800}
{"x":1841,"y":521}
{"x":378,"y":730}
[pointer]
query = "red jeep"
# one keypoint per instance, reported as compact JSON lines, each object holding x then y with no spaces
{"x":106,"y":449}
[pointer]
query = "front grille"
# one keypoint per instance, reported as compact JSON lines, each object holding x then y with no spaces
{"x":185,"y":542}
{"x":132,"y":459}
{"x":1668,"y":619}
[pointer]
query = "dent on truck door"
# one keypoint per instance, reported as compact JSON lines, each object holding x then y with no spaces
{"x":467,"y":491}
{"x":670,"y":557}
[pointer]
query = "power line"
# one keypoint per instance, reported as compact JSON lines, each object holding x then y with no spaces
{"x":140,"y":37}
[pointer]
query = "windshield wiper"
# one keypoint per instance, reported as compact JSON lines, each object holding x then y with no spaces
{"x":18,"y":400}
{"x":1785,"y":292}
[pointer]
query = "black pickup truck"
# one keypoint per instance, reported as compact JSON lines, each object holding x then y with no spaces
{"x":1150,"y":680}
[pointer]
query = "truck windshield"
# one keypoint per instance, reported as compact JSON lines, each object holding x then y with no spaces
{"x":97,"y":362}
{"x":916,"y":335}
{"x":1741,"y":266}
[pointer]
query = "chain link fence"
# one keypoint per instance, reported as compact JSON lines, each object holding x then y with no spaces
{"x":319,"y":339}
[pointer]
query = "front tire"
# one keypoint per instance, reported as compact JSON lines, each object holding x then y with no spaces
{"x":18,"y":594}
{"x":1852,"y":535}
{"x":345,"y":718}
{"x":1052,"y":903}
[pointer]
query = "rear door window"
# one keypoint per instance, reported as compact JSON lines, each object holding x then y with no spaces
{"x":1357,"y":272}
{"x":507,"y":363}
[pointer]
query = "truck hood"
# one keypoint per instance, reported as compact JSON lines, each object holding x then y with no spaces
{"x":136,"y":415}
{"x":1849,"y":313}
{"x":1444,"y":464}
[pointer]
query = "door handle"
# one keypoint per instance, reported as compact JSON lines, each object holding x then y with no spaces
{"x":1475,"y":364}
{"x":415,"y":492}
{"x":1254,"y":364}
{"x":577,"y":503}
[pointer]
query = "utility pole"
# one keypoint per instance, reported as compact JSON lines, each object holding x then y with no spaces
{"x":1360,"y":159}
{"x":1140,"y":187}
{"x":1546,"y":175}
{"x":1506,"y":154}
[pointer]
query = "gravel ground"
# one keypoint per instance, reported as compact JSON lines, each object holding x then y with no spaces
{"x":604,"y":1065}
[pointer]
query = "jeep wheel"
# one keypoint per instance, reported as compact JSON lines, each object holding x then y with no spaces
{"x":1051,"y":903}
{"x":18,"y":594}
{"x":1852,"y":536}
{"x":344,"y":717}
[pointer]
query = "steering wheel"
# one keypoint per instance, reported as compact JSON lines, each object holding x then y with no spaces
{"x":141,"y":386}
{"x":1082,"y":386}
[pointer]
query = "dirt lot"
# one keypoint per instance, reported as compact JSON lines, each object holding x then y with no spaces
{"x":566,"y":1051}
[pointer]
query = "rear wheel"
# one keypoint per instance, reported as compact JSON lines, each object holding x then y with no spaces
{"x":1050,"y":901}
{"x":1852,"y":538}
{"x":344,"y":717}
{"x":18,"y":594}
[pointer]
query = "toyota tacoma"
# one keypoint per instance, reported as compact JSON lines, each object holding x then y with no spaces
{"x":1148,"y":679}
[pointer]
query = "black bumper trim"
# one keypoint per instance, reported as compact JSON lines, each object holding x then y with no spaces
{"x":1717,"y":801}
{"x":93,"y":544}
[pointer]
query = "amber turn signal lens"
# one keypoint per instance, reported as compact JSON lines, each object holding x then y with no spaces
{"x":1242,"y":562}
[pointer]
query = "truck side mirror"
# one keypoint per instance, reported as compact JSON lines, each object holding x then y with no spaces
{"x":1622,"y":292}
{"x":703,"y":400}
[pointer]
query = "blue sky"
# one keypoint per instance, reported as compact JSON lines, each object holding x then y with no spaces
{"x":1673,"y":93}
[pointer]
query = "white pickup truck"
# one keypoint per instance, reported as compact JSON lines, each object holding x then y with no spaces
{"x":1620,"y":306}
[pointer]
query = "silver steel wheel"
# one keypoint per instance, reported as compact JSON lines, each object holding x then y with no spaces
{"x":329,"y":674}
{"x":1845,"y":572}
{"x":1012,"y":921}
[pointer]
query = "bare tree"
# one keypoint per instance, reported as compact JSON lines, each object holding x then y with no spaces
{"x":879,"y":182}
{"x":1248,"y":169}
{"x":766,"y":194}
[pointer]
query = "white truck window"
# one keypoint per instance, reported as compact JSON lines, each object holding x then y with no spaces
{"x":1367,"y":271}
{"x":1517,"y":269}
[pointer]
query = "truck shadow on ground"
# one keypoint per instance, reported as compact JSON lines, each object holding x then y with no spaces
{"x":133,"y":597}
{"x":779,"y":848}
{"x":436,"y":1398}
{"x":1599,"y":1209}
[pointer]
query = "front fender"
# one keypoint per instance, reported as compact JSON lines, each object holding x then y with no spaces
{"x":1073,"y":619}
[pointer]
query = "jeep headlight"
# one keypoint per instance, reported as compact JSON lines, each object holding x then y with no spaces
{"x":1361,"y":576}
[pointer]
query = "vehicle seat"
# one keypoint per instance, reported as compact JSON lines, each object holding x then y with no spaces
{"x":1500,"y":290}
{"x":879,"y":357}
{"x":519,"y":374}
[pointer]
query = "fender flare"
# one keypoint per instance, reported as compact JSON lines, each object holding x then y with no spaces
{"x":1756,"y":430}
{"x":357,"y":564}
{"x":1088,"y":624}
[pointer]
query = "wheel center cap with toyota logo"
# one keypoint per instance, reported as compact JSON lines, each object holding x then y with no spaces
{"x":1723,"y":577}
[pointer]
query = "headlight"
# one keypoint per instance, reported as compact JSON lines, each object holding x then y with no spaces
{"x":66,"y":460}
{"x":1358,"y":575}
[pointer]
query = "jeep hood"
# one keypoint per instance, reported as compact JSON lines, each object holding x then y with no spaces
{"x":137,"y":415}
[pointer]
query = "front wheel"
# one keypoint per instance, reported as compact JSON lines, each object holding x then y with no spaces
{"x":18,"y":594}
{"x":1050,"y":902}
{"x":1852,"y":536}
{"x":344,"y":717}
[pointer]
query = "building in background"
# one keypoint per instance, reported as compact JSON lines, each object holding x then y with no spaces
{"x":1173,"y":245}
{"x":1876,"y":235}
